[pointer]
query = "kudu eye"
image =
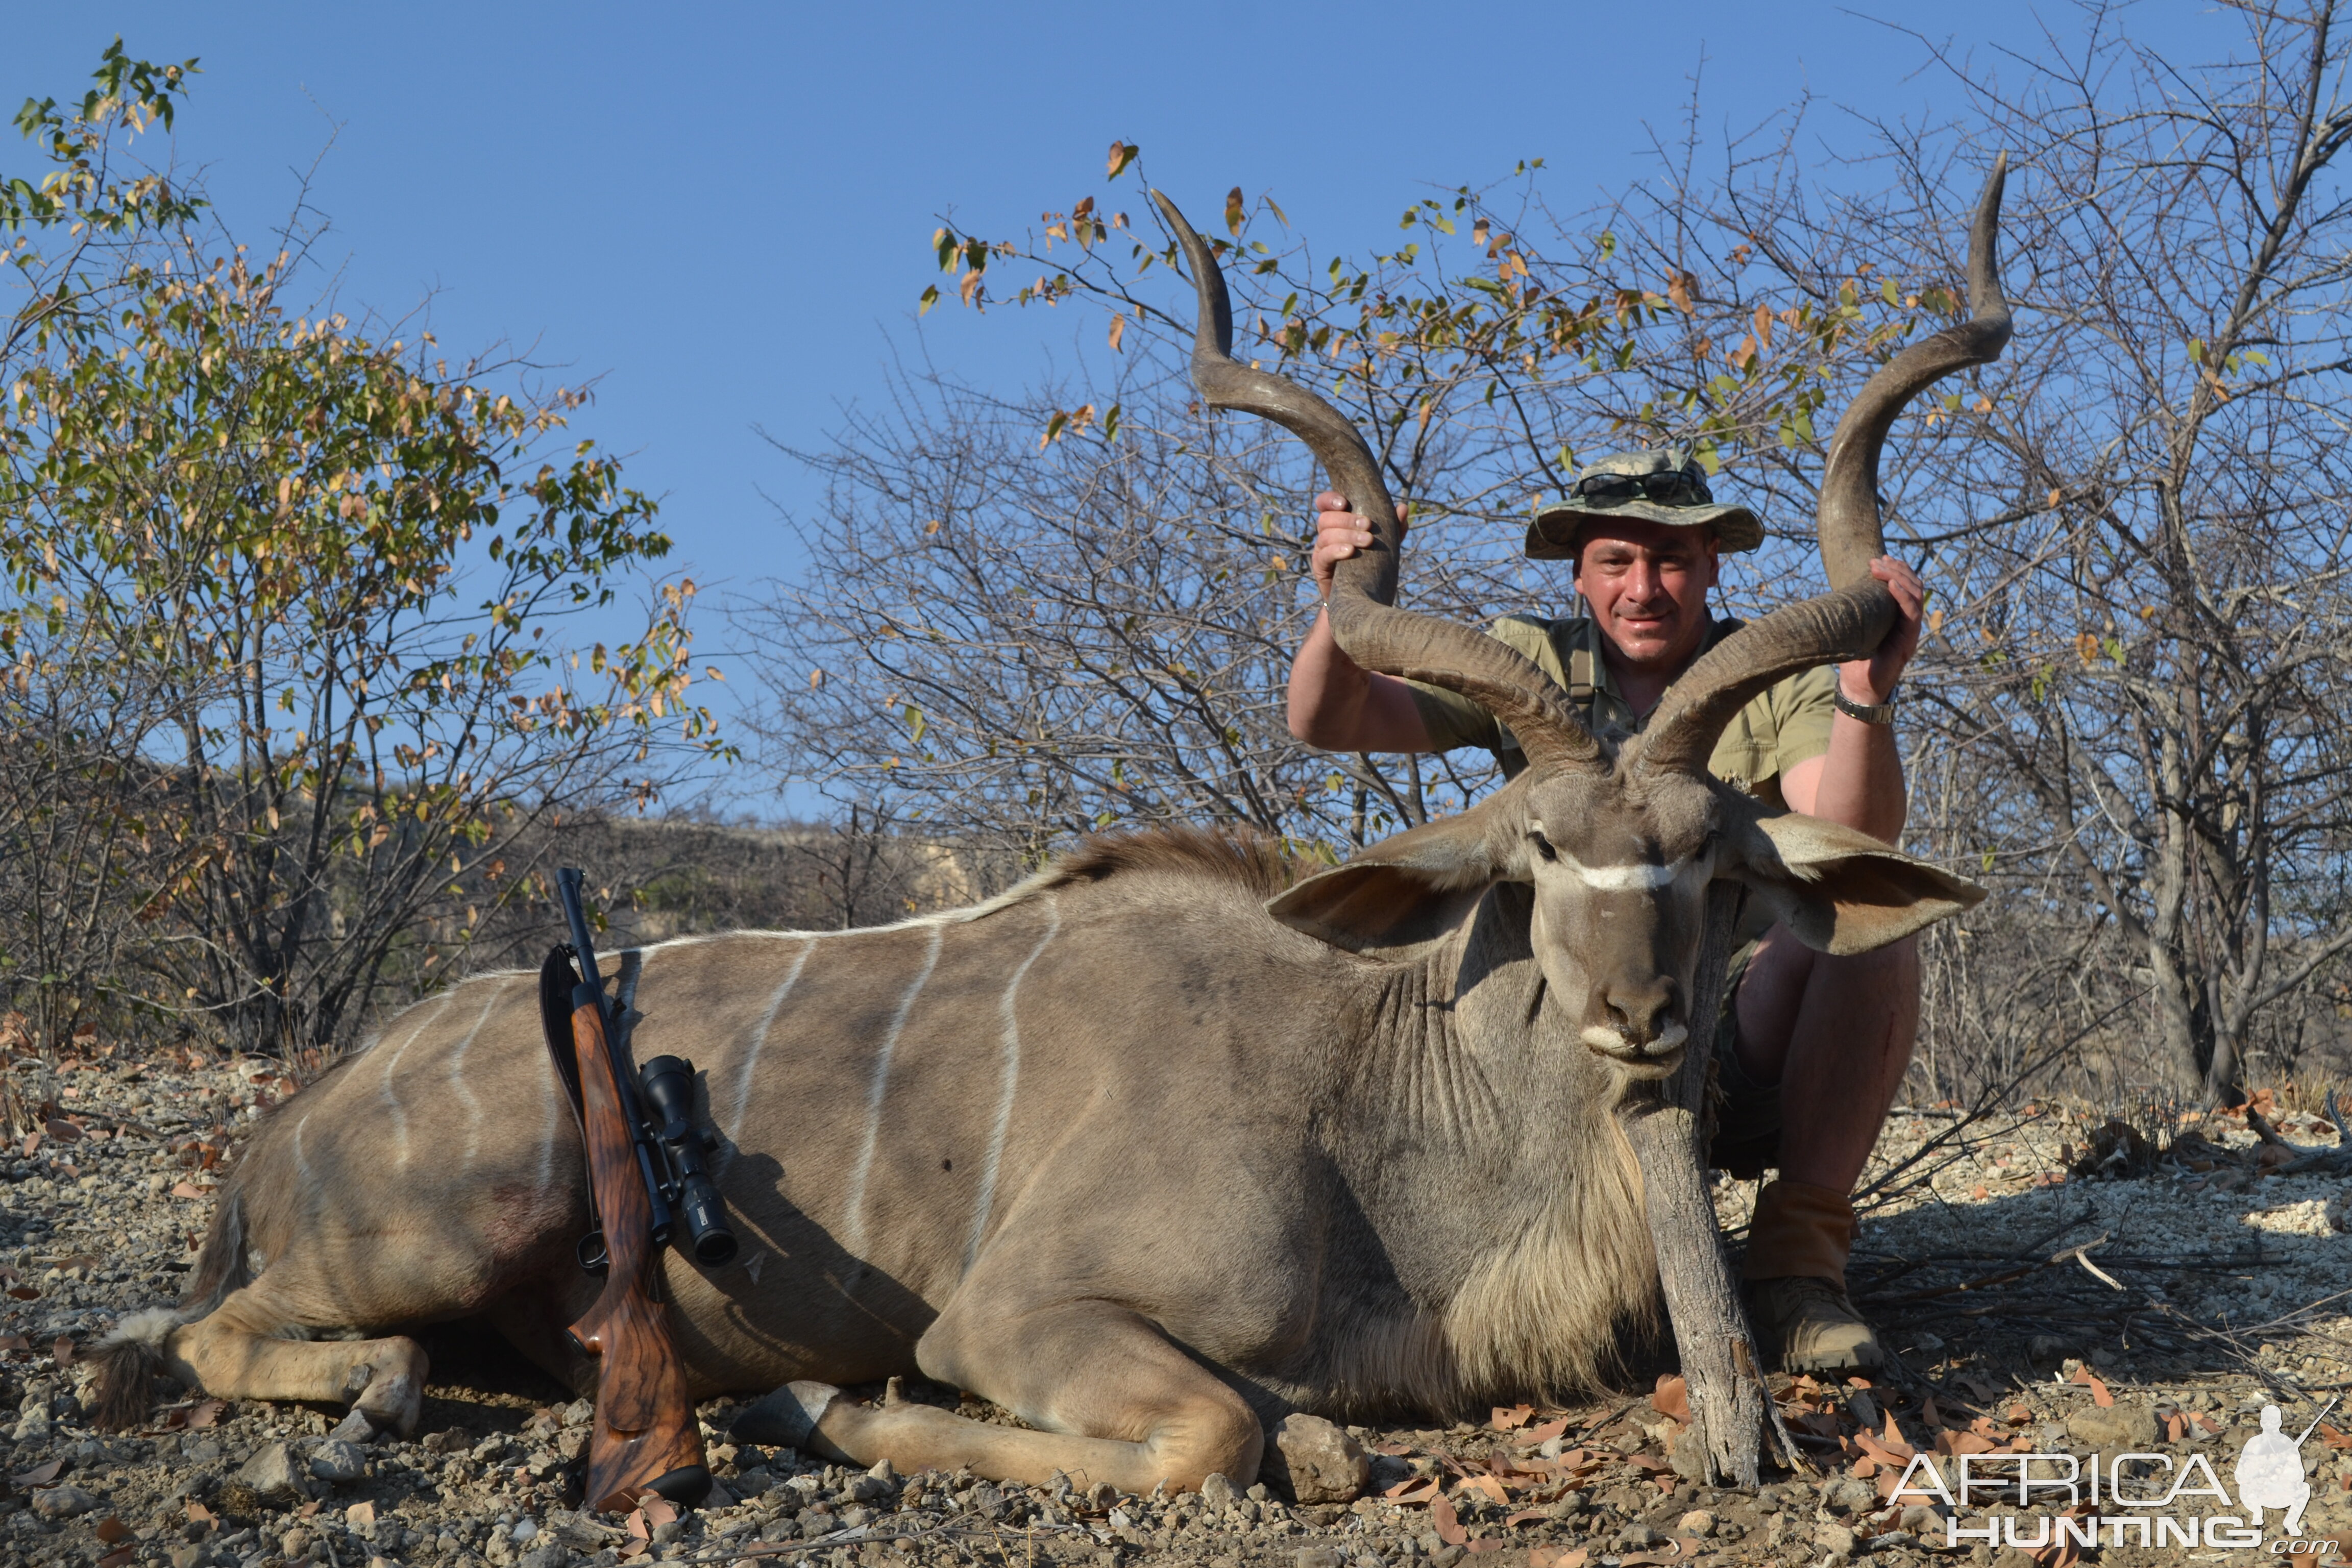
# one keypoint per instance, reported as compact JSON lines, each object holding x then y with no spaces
{"x":1543,"y":847}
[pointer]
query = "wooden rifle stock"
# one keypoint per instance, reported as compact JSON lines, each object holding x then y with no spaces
{"x":645,"y":1433}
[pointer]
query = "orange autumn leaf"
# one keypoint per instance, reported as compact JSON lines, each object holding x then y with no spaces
{"x":2099,"y":1394}
{"x":1672,"y":1397}
{"x":1512,"y":1417}
{"x":1486,"y":1486}
{"x":1448,"y":1522}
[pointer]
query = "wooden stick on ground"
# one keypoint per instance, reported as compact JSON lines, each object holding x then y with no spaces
{"x":1730,"y":1405}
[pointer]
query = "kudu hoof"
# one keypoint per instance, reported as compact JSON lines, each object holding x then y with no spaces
{"x":786,"y":1418}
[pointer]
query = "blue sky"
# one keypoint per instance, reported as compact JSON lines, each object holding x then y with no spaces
{"x":724,"y":211}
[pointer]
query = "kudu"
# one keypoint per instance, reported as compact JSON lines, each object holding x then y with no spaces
{"x":1151,"y":1149}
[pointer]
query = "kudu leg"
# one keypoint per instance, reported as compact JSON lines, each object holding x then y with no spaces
{"x":239,"y":1352}
{"x":1116,"y":1401}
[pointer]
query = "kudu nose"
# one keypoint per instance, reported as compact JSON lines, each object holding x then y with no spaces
{"x":1639,"y":1012}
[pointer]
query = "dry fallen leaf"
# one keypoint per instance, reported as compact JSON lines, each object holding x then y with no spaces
{"x":1672,"y":1397}
{"x":1488,"y":1487}
{"x":1449,"y":1523}
{"x":111,"y":1530}
{"x":1512,"y":1417}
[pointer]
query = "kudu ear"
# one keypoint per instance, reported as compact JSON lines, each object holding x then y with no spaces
{"x":1411,"y":888}
{"x":1840,"y":889}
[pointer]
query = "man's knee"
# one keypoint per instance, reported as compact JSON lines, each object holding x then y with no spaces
{"x":1894,"y":967}
{"x":1881,"y":984}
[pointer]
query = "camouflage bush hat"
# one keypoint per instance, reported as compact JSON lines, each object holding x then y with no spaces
{"x":1661,"y":484}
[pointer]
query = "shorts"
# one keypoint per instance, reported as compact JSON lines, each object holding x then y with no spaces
{"x":1746,"y":1137}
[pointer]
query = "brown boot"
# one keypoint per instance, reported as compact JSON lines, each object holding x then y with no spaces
{"x":1796,"y":1247}
{"x":1813,"y":1327}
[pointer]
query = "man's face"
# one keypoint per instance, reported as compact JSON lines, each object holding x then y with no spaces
{"x":1647,"y":584}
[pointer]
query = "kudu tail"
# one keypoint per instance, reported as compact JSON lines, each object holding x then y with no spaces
{"x":130,"y":1363}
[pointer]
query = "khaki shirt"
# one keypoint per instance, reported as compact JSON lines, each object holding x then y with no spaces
{"x":1790,"y":723}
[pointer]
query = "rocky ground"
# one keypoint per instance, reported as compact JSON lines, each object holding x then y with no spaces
{"x":2046,"y":1281}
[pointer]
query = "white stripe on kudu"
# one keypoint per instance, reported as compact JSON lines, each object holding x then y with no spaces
{"x":392,"y":1100}
{"x":1637,"y":879}
{"x":758,"y":1041}
{"x":1007,"y":1083}
{"x":853,"y":1224}
{"x":458,"y":1084}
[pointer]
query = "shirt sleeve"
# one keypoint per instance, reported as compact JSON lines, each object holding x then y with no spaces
{"x":1803,"y":708}
{"x":1451,"y":719}
{"x":1455,"y":721}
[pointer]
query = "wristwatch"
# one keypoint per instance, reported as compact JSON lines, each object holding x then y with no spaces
{"x":1874,"y":714}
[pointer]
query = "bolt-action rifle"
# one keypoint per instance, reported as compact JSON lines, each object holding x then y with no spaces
{"x":643,"y":1174}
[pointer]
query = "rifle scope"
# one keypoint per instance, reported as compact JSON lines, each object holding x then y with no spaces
{"x":669,"y":1092}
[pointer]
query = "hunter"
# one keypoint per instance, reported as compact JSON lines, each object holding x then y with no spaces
{"x":1810,"y":1048}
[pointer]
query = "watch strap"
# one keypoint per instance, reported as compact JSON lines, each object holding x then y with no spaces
{"x":1871,"y":713}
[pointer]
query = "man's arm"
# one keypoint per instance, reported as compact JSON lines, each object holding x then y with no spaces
{"x":1335,"y":702}
{"x":1859,"y":781}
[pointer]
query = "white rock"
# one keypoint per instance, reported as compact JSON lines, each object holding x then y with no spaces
{"x":1321,"y":1461}
{"x":271,"y":1472}
{"x":338,"y":1461}
{"x":62,"y":1502}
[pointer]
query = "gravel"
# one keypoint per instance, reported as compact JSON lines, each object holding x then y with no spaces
{"x":2224,"y":1308}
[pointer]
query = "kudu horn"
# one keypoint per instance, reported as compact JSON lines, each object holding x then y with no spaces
{"x":1855,"y":615}
{"x":1368,"y":626}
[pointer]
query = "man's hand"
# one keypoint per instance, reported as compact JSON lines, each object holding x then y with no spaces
{"x":1867,"y":681}
{"x":1338,"y":534}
